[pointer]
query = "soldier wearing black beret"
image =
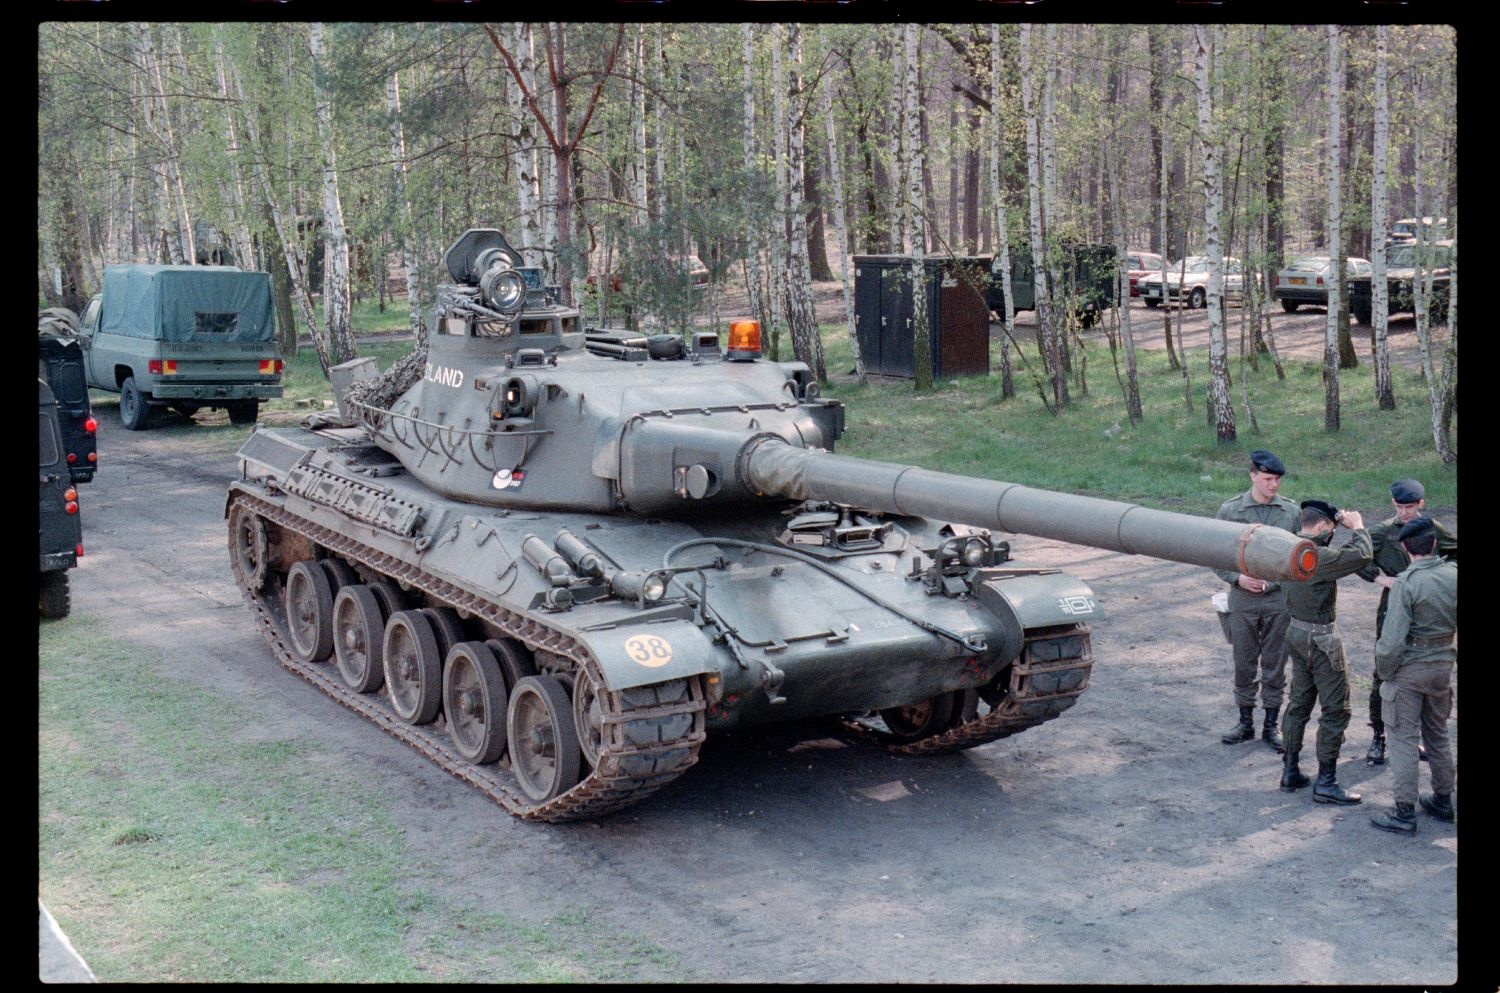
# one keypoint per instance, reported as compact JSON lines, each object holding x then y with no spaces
{"x":1414,"y":658}
{"x":1390,"y":559}
{"x":1257,"y":608}
{"x":1319,"y":670}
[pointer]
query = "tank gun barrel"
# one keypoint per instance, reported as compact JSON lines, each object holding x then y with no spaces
{"x":770,"y":465}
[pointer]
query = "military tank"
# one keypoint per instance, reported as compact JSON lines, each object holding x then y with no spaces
{"x":553,"y":558}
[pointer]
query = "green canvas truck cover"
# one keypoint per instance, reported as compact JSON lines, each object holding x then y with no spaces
{"x":188,"y":303}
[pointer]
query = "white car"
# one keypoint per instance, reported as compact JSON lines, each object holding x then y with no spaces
{"x":1188,"y":279}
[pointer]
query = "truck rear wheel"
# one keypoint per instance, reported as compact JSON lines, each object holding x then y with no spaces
{"x":135,"y":410}
{"x":244,"y":411}
{"x":54,"y":601}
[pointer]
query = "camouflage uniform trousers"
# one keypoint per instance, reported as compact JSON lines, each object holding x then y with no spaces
{"x":1416,"y":701}
{"x":1319,"y":672}
{"x":1257,"y":630}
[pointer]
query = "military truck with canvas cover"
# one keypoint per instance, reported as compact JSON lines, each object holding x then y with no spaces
{"x":185,"y":337}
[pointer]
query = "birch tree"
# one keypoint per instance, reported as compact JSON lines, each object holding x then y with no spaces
{"x":915,"y":211}
{"x":1422,"y":291}
{"x":523,"y":156}
{"x":1112,"y":151}
{"x":335,"y":239}
{"x":1002,"y":230}
{"x":405,"y":230}
{"x":754,"y":230}
{"x":1385,"y":396}
{"x":1221,"y":405}
{"x":841,"y":220}
{"x":1047,"y":334}
{"x":1161,"y":162}
{"x":171,"y":200}
{"x":1335,"y":234}
{"x":801,"y":317}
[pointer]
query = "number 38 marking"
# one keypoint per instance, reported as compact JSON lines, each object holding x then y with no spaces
{"x":648,"y":650}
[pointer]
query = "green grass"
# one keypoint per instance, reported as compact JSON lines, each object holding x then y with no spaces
{"x":1170,"y":459}
{"x":179,"y":844}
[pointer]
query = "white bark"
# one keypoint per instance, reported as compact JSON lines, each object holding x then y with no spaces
{"x":1002,"y":231}
{"x":405,"y":231}
{"x":171,"y":205}
{"x":659,"y":124}
{"x":638,"y":118}
{"x":1421,"y":289}
{"x":1335,"y":237}
{"x":524,"y":156}
{"x":916,"y":209}
{"x":801,"y":317}
{"x":776,"y":307}
{"x":840,"y":221}
{"x":335,"y":237}
{"x":1213,"y":194}
{"x":239,"y":228}
{"x":754,"y":229}
{"x":1052,"y":359}
{"x":1379,"y":224}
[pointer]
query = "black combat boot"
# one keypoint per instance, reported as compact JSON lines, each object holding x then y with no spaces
{"x":1270,"y":735}
{"x":1439,"y":805}
{"x":1376,"y":754}
{"x":1292,"y":778}
{"x":1327,"y":789}
{"x":1402,"y":820}
{"x":1421,"y":752}
{"x":1244,"y":730}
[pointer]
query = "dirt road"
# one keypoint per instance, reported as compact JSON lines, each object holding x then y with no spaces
{"x":1120,"y":843}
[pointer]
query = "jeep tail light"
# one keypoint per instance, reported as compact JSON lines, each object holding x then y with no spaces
{"x":270,"y":367}
{"x":71,"y":506}
{"x":72,"y":457}
{"x":78,"y":550}
{"x":70,"y":494}
{"x":91,"y":425}
{"x":744,"y":341}
{"x":93,"y":456}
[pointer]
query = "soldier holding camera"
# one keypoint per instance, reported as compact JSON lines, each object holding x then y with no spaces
{"x":1319,"y":669}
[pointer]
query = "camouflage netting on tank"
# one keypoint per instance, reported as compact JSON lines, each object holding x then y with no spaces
{"x":372,"y":398}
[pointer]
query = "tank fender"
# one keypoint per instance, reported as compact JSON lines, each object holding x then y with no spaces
{"x":635,"y":655}
{"x":1038,"y":600}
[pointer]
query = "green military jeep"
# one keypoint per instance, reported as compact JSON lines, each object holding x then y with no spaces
{"x":1400,"y":278}
{"x":59,"y":533}
{"x":185,"y":337}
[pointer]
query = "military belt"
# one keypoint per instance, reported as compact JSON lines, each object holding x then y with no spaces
{"x":1311,"y":628}
{"x":1442,"y":641}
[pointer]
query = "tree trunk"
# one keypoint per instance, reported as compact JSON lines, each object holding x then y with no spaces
{"x":171,"y":203}
{"x":915,"y":211}
{"x":405,"y":230}
{"x":1221,"y":405}
{"x":335,"y":238}
{"x":1131,"y":386}
{"x":754,"y":229}
{"x":801,"y":317}
{"x":1002,"y":234}
{"x":1385,"y":396}
{"x":1156,"y":45}
{"x":523,"y":157}
{"x":817,"y":248}
{"x":841,"y":222}
{"x":239,"y":225}
{"x":1421,"y":290}
{"x":1051,"y":360}
{"x":1335,"y":275}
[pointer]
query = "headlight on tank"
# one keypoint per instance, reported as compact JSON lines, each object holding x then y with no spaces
{"x":975,"y":552}
{"x":645,"y":588}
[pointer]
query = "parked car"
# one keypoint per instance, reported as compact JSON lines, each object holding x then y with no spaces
{"x":182,"y":336}
{"x":1187,"y":279}
{"x":689,"y":266}
{"x":1401,"y":269}
{"x":1088,"y":278}
{"x":1141,"y":264}
{"x":59,"y":532}
{"x":59,"y":363}
{"x":1405,"y":230}
{"x":1303,"y":280}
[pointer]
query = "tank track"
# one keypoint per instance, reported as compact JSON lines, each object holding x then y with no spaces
{"x":651,"y":734}
{"x":1052,"y":672}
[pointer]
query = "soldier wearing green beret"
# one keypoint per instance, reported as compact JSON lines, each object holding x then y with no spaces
{"x":1414,"y":659}
{"x":1257,"y":608}
{"x":1390,"y":560}
{"x":1319,"y":670}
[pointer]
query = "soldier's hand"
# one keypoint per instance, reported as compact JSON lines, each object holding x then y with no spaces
{"x":1352,"y":520}
{"x":1250,"y":584}
{"x":1386,"y":582}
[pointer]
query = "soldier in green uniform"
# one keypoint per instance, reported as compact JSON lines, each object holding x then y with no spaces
{"x":1318,"y":666}
{"x":1414,"y":658}
{"x":1257,"y":609}
{"x":1407,"y":496}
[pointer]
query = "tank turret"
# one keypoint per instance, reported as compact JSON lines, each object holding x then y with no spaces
{"x":583,"y":550}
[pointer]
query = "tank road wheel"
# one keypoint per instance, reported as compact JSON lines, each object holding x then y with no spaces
{"x":389,"y":596}
{"x":309,"y":612}
{"x":135,"y":412}
{"x":588,"y":716}
{"x":248,"y":547}
{"x":358,"y":637}
{"x":413,"y":667}
{"x":340,"y":573}
{"x":447,"y":628}
{"x":920,"y":720}
{"x":544,"y":750}
{"x":475,"y":702}
{"x":53,"y":600}
{"x":515,"y":661}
